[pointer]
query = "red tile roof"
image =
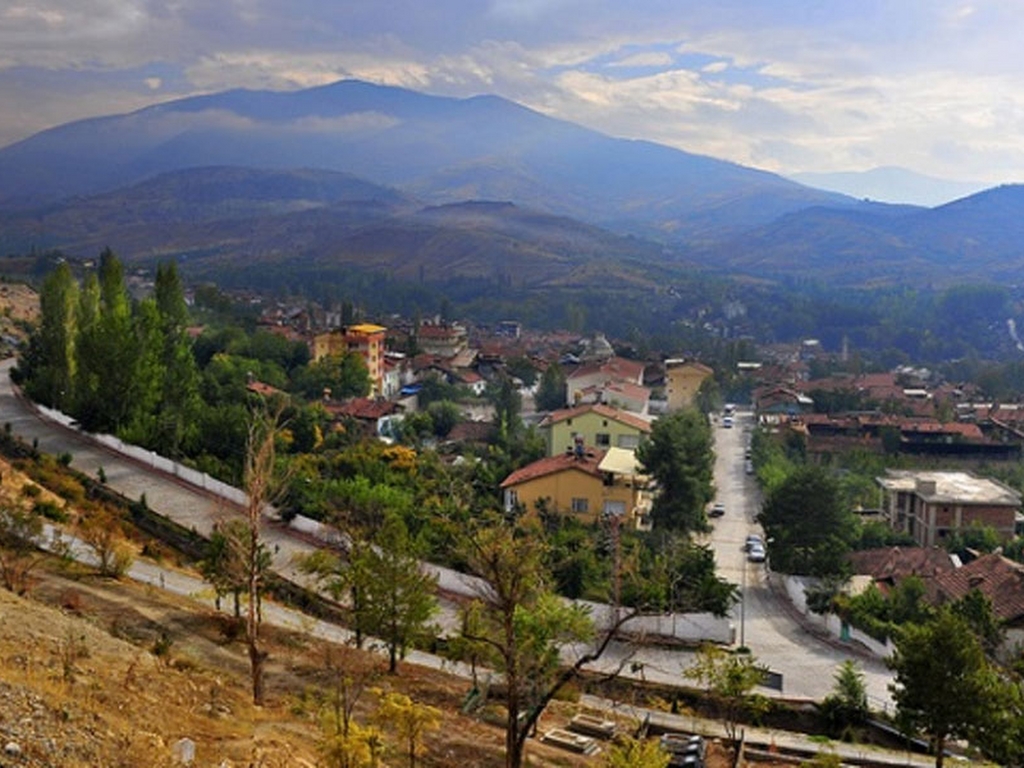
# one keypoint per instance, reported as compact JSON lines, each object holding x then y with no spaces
{"x":614,"y":368}
{"x":550,"y":465}
{"x":1000,"y":579}
{"x":607,"y":411}
{"x":363,"y":408}
{"x":896,"y":563}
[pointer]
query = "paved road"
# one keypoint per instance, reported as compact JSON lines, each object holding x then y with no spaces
{"x":765,"y":624}
{"x":807,"y":664}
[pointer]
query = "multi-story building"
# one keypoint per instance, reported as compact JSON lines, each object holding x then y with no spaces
{"x":931,"y":505}
{"x":365,"y":340}
{"x":584,"y":483}
{"x":683,"y":379}
{"x":599,"y":426}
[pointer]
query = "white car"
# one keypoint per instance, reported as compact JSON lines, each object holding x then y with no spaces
{"x":727,"y":422}
{"x":756,"y":553}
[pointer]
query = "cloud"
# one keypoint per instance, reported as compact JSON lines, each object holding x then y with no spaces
{"x":785,"y":85}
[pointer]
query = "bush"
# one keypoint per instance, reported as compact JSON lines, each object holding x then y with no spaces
{"x":51,"y":512}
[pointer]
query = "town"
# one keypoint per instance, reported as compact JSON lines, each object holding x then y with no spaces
{"x":789,"y":517}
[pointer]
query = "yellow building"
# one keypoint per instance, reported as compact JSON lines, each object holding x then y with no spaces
{"x":586,"y":484}
{"x":682,"y":381}
{"x":600,"y":426}
{"x":365,"y":339}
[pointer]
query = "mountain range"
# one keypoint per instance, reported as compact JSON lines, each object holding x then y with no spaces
{"x":429,"y":188}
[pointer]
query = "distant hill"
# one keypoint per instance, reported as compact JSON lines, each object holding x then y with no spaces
{"x":976,"y":239}
{"x":221,"y":219}
{"x":891,"y":185}
{"x":440,"y":149}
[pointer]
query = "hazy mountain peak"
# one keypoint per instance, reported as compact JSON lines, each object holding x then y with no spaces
{"x":890,"y":184}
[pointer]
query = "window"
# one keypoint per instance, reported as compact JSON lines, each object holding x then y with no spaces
{"x":602,"y":439}
{"x":629,"y":441}
{"x":568,"y":423}
{"x":580,"y":506}
{"x":511,"y":499}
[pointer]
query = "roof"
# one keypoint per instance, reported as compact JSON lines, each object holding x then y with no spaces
{"x":949,"y":487}
{"x":897,"y":563}
{"x":262,"y":388}
{"x":1000,"y":579}
{"x":616,"y":414}
{"x":691,"y":364}
{"x":364,"y":408}
{"x":564,"y":462}
{"x":366,"y":328}
{"x":614,"y":368}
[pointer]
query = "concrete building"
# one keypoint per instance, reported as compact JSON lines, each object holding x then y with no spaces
{"x":365,"y":339}
{"x":931,"y":505}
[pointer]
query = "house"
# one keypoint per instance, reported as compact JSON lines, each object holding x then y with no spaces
{"x":584,"y":483}
{"x":614,"y":378}
{"x":599,"y":426}
{"x":930,"y":505}
{"x":886,"y":567}
{"x":781,"y":401}
{"x":365,"y":340}
{"x":999,"y":579}
{"x":683,"y":379}
{"x":444,"y":340}
{"x":376,"y":417}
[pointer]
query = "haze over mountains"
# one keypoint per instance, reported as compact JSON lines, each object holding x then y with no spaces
{"x":381,"y":177}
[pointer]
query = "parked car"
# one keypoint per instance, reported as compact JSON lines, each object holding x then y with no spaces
{"x":727,"y":422}
{"x":717,"y":509}
{"x":685,"y":750}
{"x":753,"y":540}
{"x":756,"y":553}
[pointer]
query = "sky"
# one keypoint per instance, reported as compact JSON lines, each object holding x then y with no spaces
{"x":934,"y":86}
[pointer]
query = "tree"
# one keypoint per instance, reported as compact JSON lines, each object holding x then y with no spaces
{"x":551,"y":390}
{"x":391,"y":596}
{"x":636,"y":753}
{"x":51,"y":361}
{"x":101,"y":530}
{"x":20,"y":534}
{"x":680,"y":458}
{"x":809,"y":530}
{"x":729,"y":679}
{"x":262,"y":484}
{"x":410,"y":721}
{"x":521,"y":625}
{"x":508,"y":404}
{"x":224,"y":564}
{"x":943,"y":684}
{"x":847,"y":706}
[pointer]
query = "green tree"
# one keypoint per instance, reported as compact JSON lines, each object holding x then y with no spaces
{"x":680,"y":458}
{"x":342,"y":375}
{"x":551,"y":390}
{"x":444,"y":415}
{"x":51,"y":361}
{"x":508,"y":405}
{"x":847,"y":706}
{"x":943,"y":684}
{"x":730,"y":679}
{"x":398,"y":596}
{"x":520,"y":625}
{"x":809,"y":529}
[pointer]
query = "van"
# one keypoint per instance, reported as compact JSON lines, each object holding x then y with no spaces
{"x":729,"y":410}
